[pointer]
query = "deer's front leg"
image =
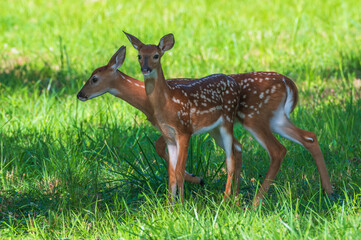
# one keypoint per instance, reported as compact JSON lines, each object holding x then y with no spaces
{"x":172,"y":163}
{"x":182,"y":142}
{"x":160,"y":146}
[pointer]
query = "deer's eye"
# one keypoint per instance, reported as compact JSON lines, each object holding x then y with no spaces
{"x":139,"y":57}
{"x":156,"y":56}
{"x":94,"y":79}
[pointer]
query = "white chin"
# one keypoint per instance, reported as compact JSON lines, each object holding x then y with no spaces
{"x":96,"y":95}
{"x":150,"y":74}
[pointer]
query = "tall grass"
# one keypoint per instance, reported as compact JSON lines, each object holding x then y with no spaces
{"x":70,"y":169}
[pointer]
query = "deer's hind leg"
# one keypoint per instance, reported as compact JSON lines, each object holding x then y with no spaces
{"x":234,"y":166}
{"x":309,"y":141}
{"x":263,"y":134}
{"x":223,"y":136}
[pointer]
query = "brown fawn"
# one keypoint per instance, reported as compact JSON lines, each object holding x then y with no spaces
{"x":207,"y":104}
{"x":109,"y":79}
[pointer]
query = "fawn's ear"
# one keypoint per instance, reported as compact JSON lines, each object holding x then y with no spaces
{"x":137,"y":44}
{"x":166,"y":42}
{"x":118,"y":58}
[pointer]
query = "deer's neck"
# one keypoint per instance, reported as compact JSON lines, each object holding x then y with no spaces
{"x":157,"y":89}
{"x":132,"y":91}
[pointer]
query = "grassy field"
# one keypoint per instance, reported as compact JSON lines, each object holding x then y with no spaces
{"x":78,"y":170}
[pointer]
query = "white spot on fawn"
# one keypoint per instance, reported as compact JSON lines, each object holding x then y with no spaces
{"x":267,"y":99}
{"x":241,"y":115}
{"x":175,"y":100}
{"x":273,"y":89}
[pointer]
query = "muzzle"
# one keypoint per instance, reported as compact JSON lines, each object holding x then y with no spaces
{"x":81,"y":96}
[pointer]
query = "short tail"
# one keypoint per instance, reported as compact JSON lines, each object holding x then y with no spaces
{"x":292,"y":96}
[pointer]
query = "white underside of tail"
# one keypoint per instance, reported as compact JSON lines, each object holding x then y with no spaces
{"x":289,"y":100}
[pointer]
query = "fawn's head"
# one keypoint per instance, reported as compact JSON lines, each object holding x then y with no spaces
{"x":102,"y":79}
{"x":149,"y":55}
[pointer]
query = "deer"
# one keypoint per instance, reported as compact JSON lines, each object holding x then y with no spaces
{"x":181,"y":110}
{"x":165,"y":99}
{"x":254,"y":86}
{"x":108,"y":79}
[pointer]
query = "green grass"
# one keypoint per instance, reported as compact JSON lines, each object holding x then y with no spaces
{"x":73,"y":170}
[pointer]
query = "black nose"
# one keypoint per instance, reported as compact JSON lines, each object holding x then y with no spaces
{"x":80,"y":95}
{"x":145,"y":69}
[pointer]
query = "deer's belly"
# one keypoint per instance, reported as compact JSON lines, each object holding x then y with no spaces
{"x":207,"y":128}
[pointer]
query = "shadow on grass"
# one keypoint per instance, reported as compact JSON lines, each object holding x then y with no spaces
{"x":81,"y":168}
{"x":88,"y":167}
{"x":39,"y":80}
